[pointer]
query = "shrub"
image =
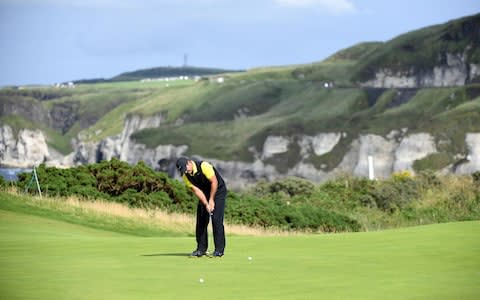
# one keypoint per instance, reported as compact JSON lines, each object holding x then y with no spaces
{"x":291,"y":186}
{"x":476,"y":177}
{"x":290,"y":204}
{"x":350,"y":191}
{"x":276,"y":213}
{"x":428,"y":178}
{"x":137,"y":186}
{"x":2,"y":182}
{"x":395,"y":193}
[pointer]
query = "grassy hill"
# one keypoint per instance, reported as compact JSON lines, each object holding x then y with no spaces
{"x":159,"y":72}
{"x":162,"y":72}
{"x":425,"y":48}
{"x":43,"y":257}
{"x":249,"y":106}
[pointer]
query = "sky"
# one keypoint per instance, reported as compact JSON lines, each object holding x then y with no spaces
{"x":50,"y":41}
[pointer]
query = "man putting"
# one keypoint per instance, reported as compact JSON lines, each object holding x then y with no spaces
{"x":209,"y":187}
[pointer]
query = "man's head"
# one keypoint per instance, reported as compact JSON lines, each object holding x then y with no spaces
{"x":182,"y":164}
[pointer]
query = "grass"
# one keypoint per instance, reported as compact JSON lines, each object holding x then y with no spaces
{"x":115,"y":217}
{"x":419,"y":49}
{"x":42,"y":258}
{"x":311,"y":108}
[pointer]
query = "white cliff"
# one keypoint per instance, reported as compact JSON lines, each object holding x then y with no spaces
{"x":472,"y":163}
{"x":274,"y":145}
{"x":26,"y":149}
{"x":121,"y":146}
{"x":382,"y":152}
{"x":411,"y":148}
{"x":394,"y":152}
{"x":453,"y":73}
{"x":319,"y":144}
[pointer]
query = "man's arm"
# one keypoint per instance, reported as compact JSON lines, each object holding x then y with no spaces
{"x":209,"y":172}
{"x":200,"y":195}
{"x":213,"y":191}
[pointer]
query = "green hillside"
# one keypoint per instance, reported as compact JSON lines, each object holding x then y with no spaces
{"x":162,"y":72}
{"x":249,"y":106}
{"x":425,"y":48}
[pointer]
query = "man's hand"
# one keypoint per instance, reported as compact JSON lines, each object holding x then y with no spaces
{"x":211,"y":206}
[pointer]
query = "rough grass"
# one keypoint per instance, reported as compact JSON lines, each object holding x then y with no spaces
{"x":116,"y":217}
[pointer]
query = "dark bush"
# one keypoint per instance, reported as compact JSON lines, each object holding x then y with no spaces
{"x":351,"y":191}
{"x":291,"y":186}
{"x":395,"y":193}
{"x":3,"y":182}
{"x":428,"y":178}
{"x":476,"y":177}
{"x":254,"y":211}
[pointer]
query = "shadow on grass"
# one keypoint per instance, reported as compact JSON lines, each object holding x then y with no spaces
{"x":167,"y":254}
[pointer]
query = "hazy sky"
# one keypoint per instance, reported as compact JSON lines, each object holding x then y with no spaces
{"x":48,"y":41}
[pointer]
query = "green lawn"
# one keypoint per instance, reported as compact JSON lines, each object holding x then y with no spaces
{"x":41,"y":258}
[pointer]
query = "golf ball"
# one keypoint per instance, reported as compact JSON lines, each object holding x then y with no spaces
{"x":201,"y":280}
{"x":249,"y":258}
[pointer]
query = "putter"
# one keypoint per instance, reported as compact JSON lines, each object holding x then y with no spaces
{"x":210,"y":214}
{"x":211,"y":221}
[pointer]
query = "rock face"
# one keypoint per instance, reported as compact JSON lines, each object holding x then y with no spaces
{"x":26,"y":149}
{"x":392,"y":153}
{"x":472,"y":163}
{"x":454,"y":72}
{"x":411,"y":148}
{"x":319,"y":144}
{"x":274,"y":145}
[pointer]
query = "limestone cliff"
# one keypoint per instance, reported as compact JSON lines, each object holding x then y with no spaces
{"x":26,"y":149}
{"x":456,"y":71}
{"x":392,"y":153}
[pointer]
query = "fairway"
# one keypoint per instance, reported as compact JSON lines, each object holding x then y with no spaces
{"x":45,"y":259}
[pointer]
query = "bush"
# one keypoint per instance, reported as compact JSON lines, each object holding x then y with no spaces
{"x":276,"y":213}
{"x":350,"y":191}
{"x":137,"y":186}
{"x":345,"y":203}
{"x":476,"y":177}
{"x":291,"y":186}
{"x":3,"y":182}
{"x":395,"y":193}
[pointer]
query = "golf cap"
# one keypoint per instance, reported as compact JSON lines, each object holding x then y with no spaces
{"x":182,"y":164}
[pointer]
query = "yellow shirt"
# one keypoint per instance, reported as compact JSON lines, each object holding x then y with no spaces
{"x":207,"y":170}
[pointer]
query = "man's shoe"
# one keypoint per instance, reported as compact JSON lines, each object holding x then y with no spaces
{"x":217,"y":254}
{"x":198,"y":253}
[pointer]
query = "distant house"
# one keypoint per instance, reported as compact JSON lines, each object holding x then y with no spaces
{"x":216,"y":79}
{"x":328,"y":85}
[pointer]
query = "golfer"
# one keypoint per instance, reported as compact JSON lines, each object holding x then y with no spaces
{"x":207,"y":184}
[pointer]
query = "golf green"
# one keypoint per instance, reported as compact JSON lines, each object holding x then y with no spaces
{"x":45,"y":259}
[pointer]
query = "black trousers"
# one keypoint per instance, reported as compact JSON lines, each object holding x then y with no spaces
{"x":203,"y":218}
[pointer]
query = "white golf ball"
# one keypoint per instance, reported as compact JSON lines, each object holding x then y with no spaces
{"x":201,"y":280}
{"x":249,"y":258}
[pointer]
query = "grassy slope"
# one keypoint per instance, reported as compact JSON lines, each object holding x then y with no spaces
{"x":42,"y":258}
{"x":98,"y":215}
{"x":286,"y":107}
{"x":287,"y":100}
{"x":421,"y":49}
{"x":162,"y":72}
